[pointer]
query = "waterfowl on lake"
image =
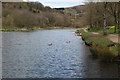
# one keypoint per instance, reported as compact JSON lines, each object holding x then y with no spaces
{"x":67,"y":41}
{"x":50,"y":44}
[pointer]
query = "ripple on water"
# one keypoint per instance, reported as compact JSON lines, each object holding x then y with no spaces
{"x":27,"y":55}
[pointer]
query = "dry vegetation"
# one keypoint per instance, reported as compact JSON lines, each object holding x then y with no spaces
{"x":34,"y":15}
{"x":96,"y":16}
{"x":99,"y":15}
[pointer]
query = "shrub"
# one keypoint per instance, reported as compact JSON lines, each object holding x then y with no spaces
{"x":103,"y":53}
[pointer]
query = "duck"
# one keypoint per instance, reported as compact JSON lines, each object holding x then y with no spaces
{"x":50,"y":44}
{"x":67,"y":41}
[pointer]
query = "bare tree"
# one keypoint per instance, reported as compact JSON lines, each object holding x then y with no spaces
{"x":104,"y":17}
{"x":113,"y":9}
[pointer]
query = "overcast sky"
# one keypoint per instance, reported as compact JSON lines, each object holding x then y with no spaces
{"x":59,"y":3}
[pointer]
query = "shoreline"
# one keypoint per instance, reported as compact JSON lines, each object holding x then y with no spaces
{"x":103,"y":49}
{"x":32,"y":29}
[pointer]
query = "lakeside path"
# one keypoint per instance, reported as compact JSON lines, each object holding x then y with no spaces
{"x":112,"y":37}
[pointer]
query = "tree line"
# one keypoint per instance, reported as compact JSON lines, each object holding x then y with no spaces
{"x":95,"y":15}
{"x":99,"y":15}
{"x":33,"y":15}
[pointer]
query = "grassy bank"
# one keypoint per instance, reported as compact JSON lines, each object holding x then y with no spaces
{"x":100,"y":46}
{"x":109,"y":31}
{"x":60,"y":28}
{"x":11,"y":29}
{"x":30,"y":29}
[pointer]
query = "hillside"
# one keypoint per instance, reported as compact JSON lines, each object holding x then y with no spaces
{"x":35,"y":15}
{"x":78,"y":8}
{"x":76,"y":13}
{"x":75,"y":9}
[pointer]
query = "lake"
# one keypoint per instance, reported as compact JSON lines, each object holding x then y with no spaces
{"x":57,"y":53}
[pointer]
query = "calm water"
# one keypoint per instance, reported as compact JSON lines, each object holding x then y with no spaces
{"x":28,"y":55}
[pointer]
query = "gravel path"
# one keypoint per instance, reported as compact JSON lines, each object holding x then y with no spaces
{"x":114,"y":38}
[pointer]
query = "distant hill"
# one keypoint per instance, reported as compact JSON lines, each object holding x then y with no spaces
{"x":76,"y":12}
{"x":35,"y":15}
{"x":78,"y":8}
{"x":31,"y":6}
{"x":75,"y":9}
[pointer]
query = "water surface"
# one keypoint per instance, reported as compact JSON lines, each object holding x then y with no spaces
{"x":30,"y":55}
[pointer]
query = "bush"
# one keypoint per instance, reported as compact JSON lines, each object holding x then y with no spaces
{"x":103,"y":53}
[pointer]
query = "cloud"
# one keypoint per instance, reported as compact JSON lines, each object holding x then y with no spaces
{"x":59,"y":3}
{"x":58,"y":0}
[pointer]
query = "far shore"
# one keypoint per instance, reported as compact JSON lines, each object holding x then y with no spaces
{"x":31,"y":29}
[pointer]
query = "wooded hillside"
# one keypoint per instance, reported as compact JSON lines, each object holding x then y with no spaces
{"x":95,"y":15}
{"x":34,"y":14}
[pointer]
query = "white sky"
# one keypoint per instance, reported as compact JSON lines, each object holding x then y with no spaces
{"x":59,"y":3}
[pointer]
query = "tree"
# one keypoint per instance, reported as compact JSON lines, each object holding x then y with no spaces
{"x":113,"y":9}
{"x":104,"y":17}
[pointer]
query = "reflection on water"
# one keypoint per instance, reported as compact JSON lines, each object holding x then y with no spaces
{"x":30,"y":55}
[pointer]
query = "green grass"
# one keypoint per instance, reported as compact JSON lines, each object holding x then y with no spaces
{"x":59,"y":28}
{"x":99,"y":48}
{"x":98,"y":39}
{"x":25,"y":29}
{"x":53,"y":28}
{"x":10,"y":29}
{"x":116,"y":49}
{"x":109,"y":31}
{"x":98,"y":31}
